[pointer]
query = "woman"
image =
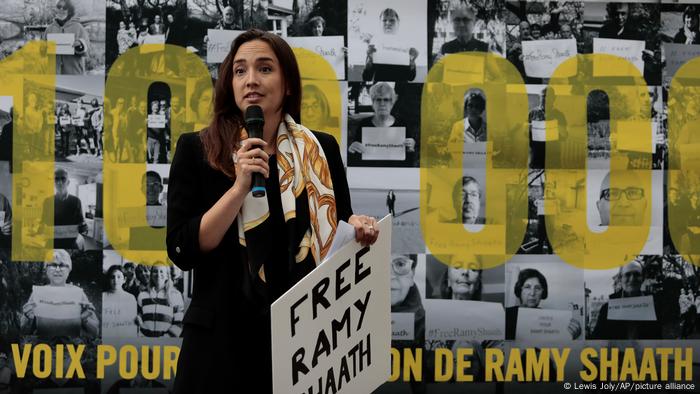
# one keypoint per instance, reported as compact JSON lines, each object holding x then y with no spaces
{"x":209,"y":185}
{"x":462,"y":282}
{"x":34,"y":119}
{"x":383,"y":99}
{"x":123,"y":39}
{"x":688,"y":34}
{"x":316,"y":26}
{"x":315,"y":111}
{"x":117,"y":299}
{"x":63,"y":23}
{"x":530,"y":289}
{"x":77,"y":313}
{"x":389,"y":72}
{"x":132,"y":34}
{"x":160,"y":306}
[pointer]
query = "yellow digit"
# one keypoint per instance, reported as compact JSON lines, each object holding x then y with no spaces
{"x":442,"y":172}
{"x":623,"y":197}
{"x":129,"y":79}
{"x":28,"y":77}
{"x":683,"y":154}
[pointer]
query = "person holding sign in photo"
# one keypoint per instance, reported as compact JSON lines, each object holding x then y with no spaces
{"x":389,"y":72}
{"x":68,"y":220}
{"x":631,"y":277}
{"x":530,"y":289}
{"x":64,"y":23}
{"x":160,"y":306}
{"x":383,"y":100}
{"x":59,"y":308}
{"x":463,"y":18}
{"x":473,"y":127}
{"x":118,"y":306}
{"x":247,"y":251}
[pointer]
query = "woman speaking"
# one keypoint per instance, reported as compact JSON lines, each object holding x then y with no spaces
{"x":246,"y":250}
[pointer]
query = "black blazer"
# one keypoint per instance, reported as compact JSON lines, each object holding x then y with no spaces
{"x":220,"y":327}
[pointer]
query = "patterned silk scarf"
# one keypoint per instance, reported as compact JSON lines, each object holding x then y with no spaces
{"x":302,"y":166}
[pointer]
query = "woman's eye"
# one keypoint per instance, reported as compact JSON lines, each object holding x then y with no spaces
{"x":266,"y":69}
{"x":239,"y":71}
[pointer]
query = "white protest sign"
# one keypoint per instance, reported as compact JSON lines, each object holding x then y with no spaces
{"x":545,"y":130}
{"x":65,"y":231}
{"x":390,"y":50}
{"x":464,"y":320}
{"x":118,"y":315}
{"x":632,"y":308}
{"x":77,"y":121}
{"x":153,"y":43}
{"x":2,"y":217}
{"x":219,"y":44}
{"x":459,"y":68}
{"x":384,"y":143}
{"x":541,"y":58}
{"x":156,"y":215}
{"x":543,"y":325}
{"x":57,"y":310}
{"x":403,"y":326}
{"x":64,"y":120}
{"x":676,"y":55}
{"x":64,"y":43}
{"x":631,"y":50}
{"x":474,"y":154}
{"x":326,"y":327}
{"x":156,"y":121}
{"x":330,"y":48}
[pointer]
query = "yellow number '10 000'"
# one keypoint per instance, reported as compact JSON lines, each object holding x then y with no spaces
{"x":30,"y":71}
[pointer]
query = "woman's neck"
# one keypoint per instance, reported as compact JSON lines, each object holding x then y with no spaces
{"x":382,"y":120}
{"x":270,"y":132}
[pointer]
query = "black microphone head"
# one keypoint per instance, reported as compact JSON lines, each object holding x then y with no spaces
{"x":254,"y":114}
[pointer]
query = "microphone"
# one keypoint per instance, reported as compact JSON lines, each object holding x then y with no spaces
{"x":254,"y":122}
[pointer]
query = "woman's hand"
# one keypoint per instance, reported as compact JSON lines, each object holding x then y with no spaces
{"x":574,"y":328}
{"x":356,"y":147}
{"x":366,"y":230}
{"x":410,"y":144}
{"x":6,"y":228}
{"x":250,"y":158}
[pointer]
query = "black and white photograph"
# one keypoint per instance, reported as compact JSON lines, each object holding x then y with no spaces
{"x":6,"y":114}
{"x":78,"y":120}
{"x":56,"y":302}
{"x":5,"y":209}
{"x":627,"y":30}
{"x":384,"y":124}
{"x":682,"y":212}
{"x":387,"y":40}
{"x":630,"y":127}
{"x":76,"y":205}
{"x":680,"y":31}
{"x":403,"y":205}
{"x":320,"y":109}
{"x":77,"y":27}
{"x":544,"y":300}
{"x":628,"y":205}
{"x":552,"y":129}
{"x":466,"y":26}
{"x":136,"y":22}
{"x":542,"y":35}
{"x":160,"y":305}
{"x":628,"y":302}
{"x":138,"y":223}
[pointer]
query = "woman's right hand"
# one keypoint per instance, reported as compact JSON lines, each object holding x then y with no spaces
{"x":356,"y":147}
{"x":250,"y":158}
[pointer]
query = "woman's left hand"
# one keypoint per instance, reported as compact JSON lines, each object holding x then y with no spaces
{"x":574,"y":328}
{"x":366,"y":230}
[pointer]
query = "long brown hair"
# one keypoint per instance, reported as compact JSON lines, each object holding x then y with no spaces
{"x":223,"y":133}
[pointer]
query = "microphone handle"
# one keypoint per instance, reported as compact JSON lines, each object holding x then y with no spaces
{"x":258,"y":185}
